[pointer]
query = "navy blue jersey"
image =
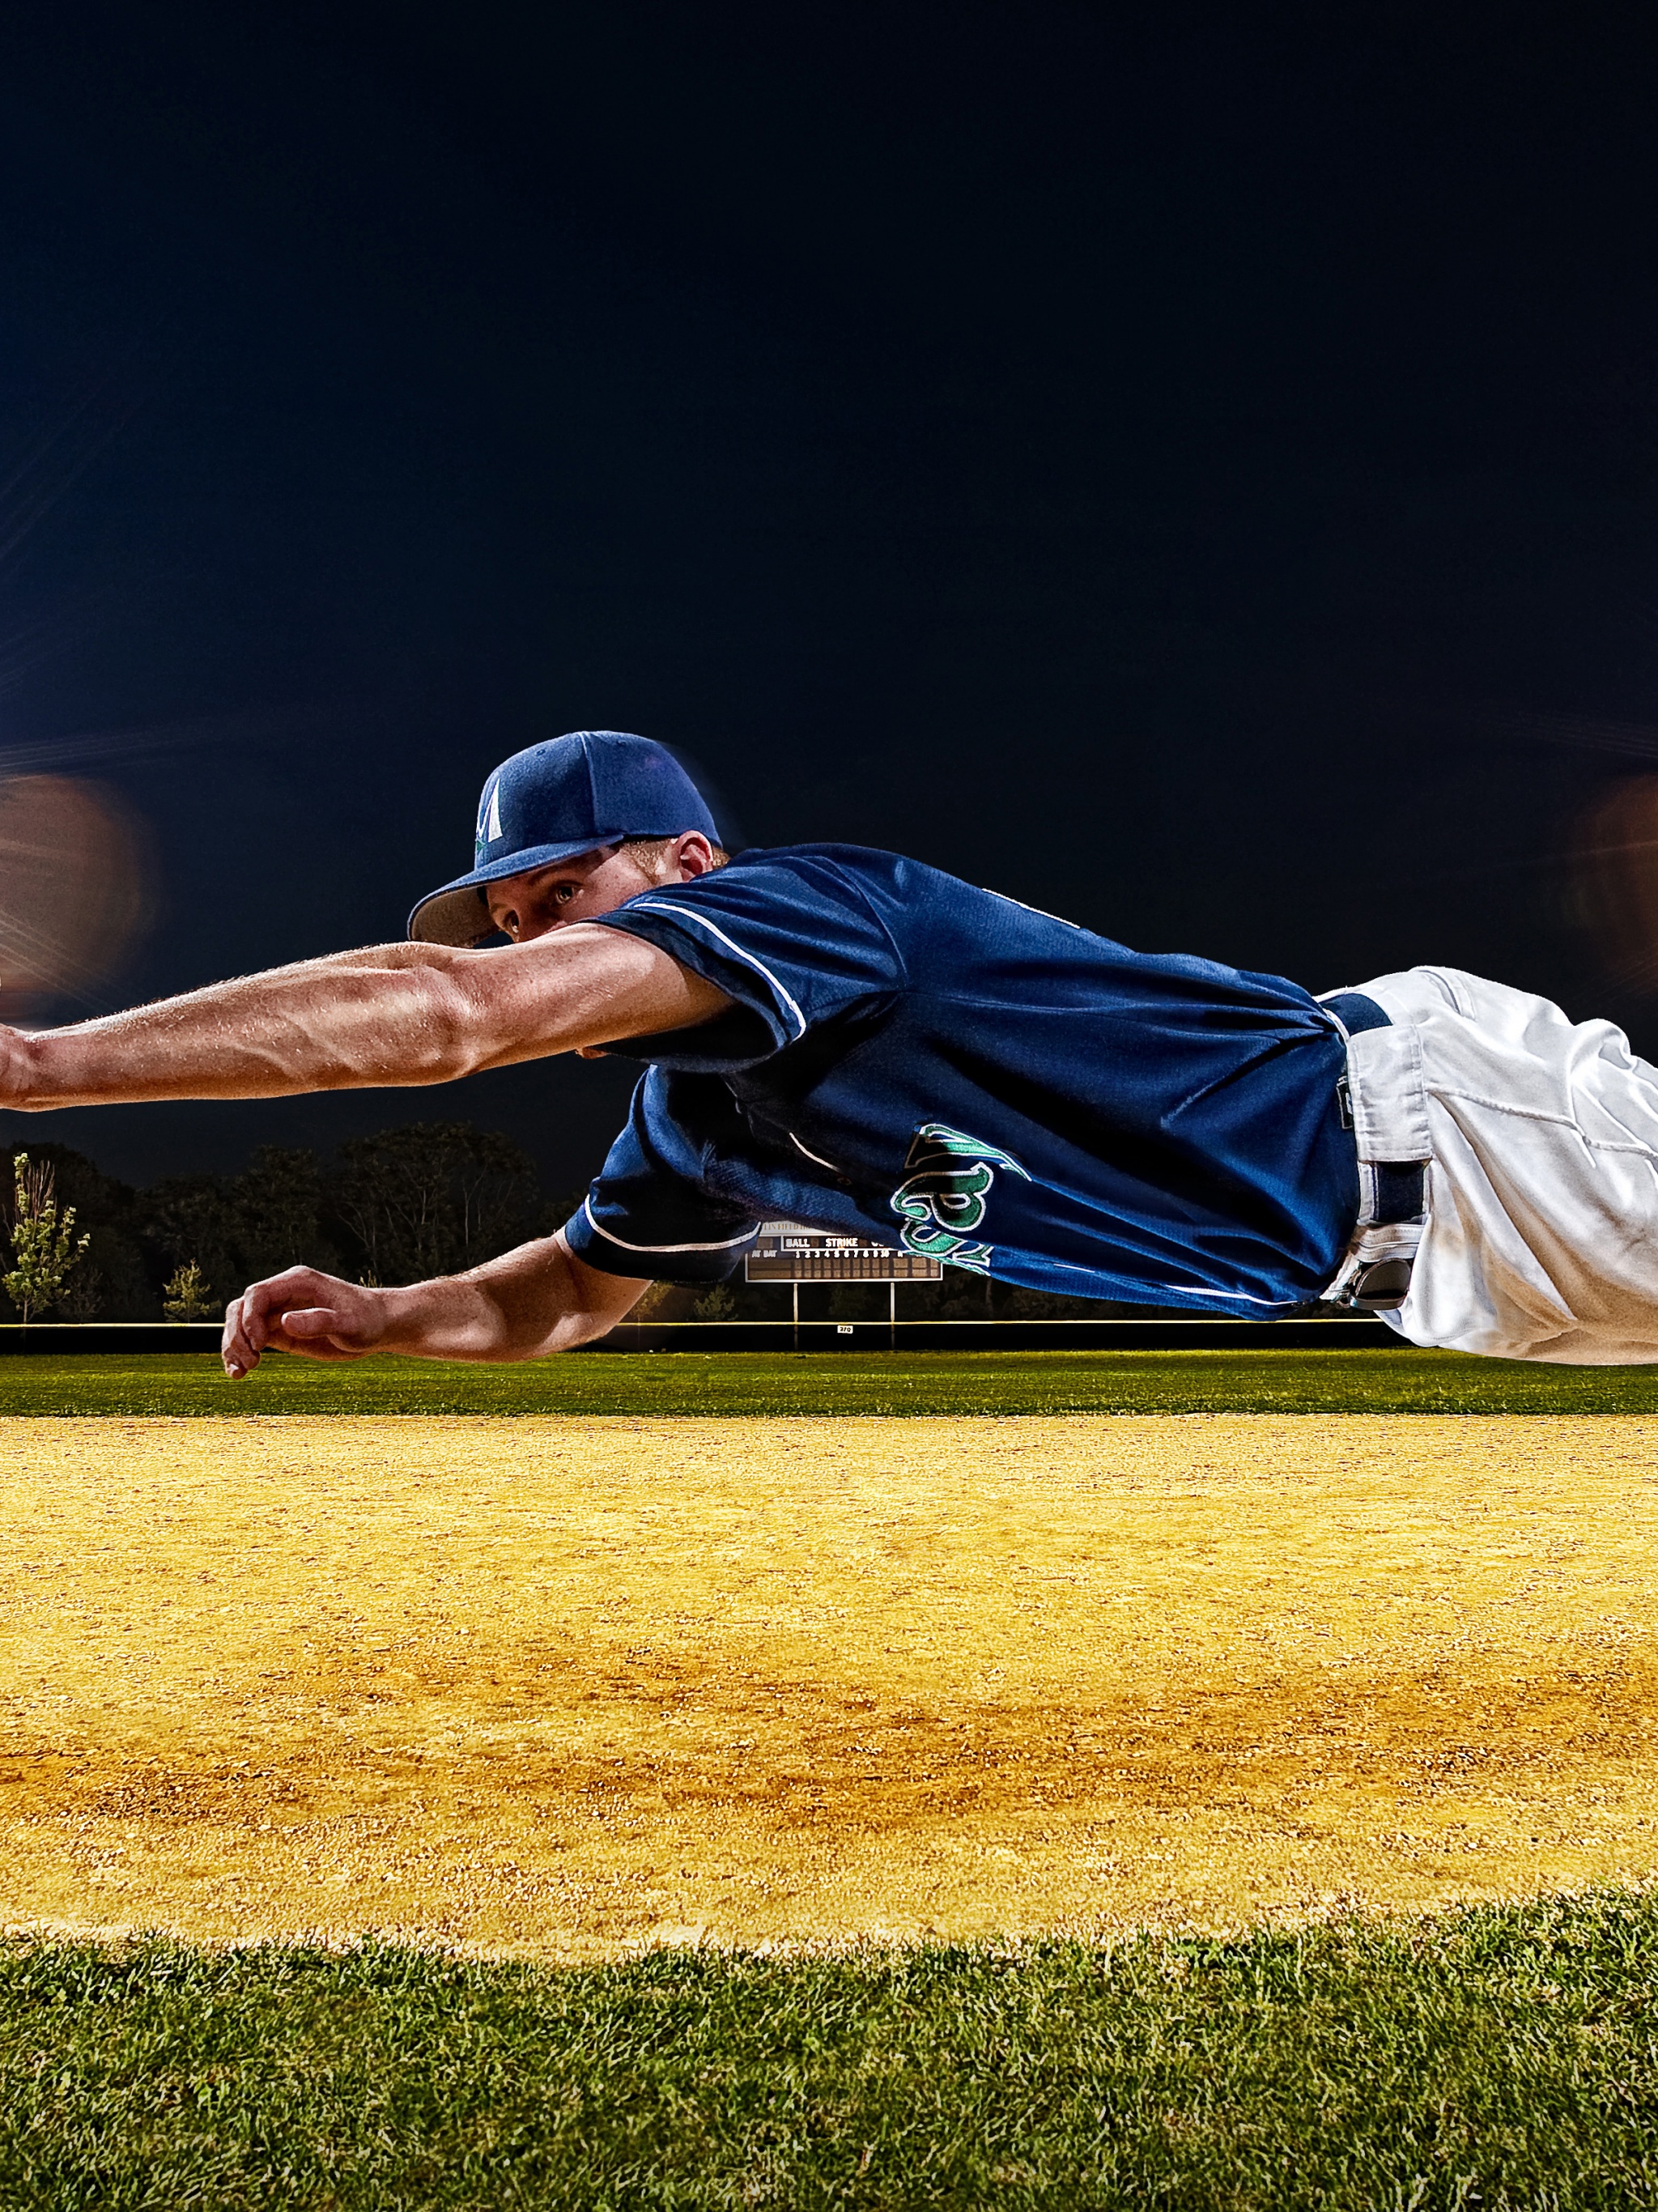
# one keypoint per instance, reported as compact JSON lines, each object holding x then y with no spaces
{"x":955,"y":1075}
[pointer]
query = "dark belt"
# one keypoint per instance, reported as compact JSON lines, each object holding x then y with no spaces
{"x":1389,"y":1190}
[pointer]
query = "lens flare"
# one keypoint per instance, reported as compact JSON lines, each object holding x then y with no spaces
{"x":75,"y":889}
{"x":1614,"y":877}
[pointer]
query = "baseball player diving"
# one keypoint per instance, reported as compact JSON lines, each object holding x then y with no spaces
{"x":848,"y":1039}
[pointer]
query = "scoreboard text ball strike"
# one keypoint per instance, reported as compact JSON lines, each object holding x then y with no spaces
{"x":786,"y":1253}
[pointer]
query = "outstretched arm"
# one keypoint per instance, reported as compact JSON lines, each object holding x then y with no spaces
{"x":393,"y":1015}
{"x":539,"y":1299}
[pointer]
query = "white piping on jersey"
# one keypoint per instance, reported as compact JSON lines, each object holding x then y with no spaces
{"x":689,"y":914}
{"x":1040,"y":912}
{"x":817,"y":1157}
{"x":747,"y":1237}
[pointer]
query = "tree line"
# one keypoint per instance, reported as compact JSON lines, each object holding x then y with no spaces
{"x":427,"y":1199}
{"x":406,"y":1203}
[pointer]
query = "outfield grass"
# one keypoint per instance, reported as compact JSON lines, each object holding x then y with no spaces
{"x":1504,"y":2057}
{"x":782,"y":1383}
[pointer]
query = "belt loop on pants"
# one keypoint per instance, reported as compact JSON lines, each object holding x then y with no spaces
{"x":1384,"y":1103}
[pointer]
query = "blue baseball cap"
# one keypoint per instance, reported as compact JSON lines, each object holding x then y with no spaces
{"x":556,"y":800}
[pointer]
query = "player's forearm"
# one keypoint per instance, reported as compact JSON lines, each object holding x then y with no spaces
{"x":535,"y":1300}
{"x":325,"y":1025}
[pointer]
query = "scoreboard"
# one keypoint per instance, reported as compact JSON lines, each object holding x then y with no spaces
{"x":786,"y":1253}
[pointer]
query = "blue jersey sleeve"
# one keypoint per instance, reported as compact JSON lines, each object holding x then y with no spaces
{"x":647,"y":1213}
{"x":790,"y":936}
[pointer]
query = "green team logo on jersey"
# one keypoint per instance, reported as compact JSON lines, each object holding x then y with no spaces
{"x":942,"y":1198}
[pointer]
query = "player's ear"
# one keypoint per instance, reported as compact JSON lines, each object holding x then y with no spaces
{"x":693,"y":855}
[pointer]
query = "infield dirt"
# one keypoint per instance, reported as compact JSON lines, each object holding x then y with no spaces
{"x":563,"y":1687}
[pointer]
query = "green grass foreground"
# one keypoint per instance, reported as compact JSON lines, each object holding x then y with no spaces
{"x":1506,"y":2056}
{"x":833,"y":1383}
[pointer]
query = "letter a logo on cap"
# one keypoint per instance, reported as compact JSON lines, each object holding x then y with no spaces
{"x":490,"y":819}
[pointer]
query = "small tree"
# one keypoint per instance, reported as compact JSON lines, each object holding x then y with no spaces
{"x":44,"y":1249}
{"x":717,"y":1304}
{"x":186,"y":1296}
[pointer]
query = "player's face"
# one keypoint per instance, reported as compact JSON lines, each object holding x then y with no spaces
{"x":528,"y":906}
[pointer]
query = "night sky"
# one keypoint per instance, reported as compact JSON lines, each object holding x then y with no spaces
{"x":1194,"y":471}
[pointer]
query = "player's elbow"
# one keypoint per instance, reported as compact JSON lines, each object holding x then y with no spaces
{"x":574,"y":1328}
{"x":472,"y":1021}
{"x":449,"y":1030}
{"x":539,"y":1299}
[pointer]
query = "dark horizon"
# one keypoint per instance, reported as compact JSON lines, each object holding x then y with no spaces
{"x":1195,"y":475}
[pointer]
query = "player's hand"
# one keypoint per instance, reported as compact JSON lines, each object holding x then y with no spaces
{"x":306,"y":1311}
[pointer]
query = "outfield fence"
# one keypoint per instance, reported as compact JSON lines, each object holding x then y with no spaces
{"x":1157,"y":1332}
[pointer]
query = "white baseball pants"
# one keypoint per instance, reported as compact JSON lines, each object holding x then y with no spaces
{"x":1541,"y":1236}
